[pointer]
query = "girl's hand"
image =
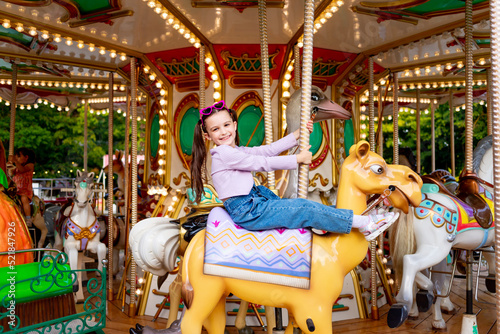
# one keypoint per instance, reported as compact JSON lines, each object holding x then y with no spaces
{"x":309,"y":127}
{"x":305,"y":156}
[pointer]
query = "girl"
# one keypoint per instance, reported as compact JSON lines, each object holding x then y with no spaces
{"x":256,"y":207}
{"x":24,"y":161}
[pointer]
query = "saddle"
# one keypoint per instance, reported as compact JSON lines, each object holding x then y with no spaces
{"x":280,"y":256}
{"x":468,"y":192}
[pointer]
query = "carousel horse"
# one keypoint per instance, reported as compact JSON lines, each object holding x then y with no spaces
{"x":323,"y":109}
{"x":119,"y":170}
{"x":79,"y":225}
{"x":333,"y":255}
{"x":443,"y":221}
{"x":14,"y":234}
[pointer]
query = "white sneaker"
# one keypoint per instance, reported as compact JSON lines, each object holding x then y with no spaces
{"x":378,"y":224}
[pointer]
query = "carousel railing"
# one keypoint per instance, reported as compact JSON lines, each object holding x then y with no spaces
{"x":38,"y":297}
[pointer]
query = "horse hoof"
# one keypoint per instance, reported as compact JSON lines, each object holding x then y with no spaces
{"x":139,"y":327}
{"x":133,"y":331}
{"x":424,"y":300}
{"x":75,"y":287}
{"x":490,"y":283}
{"x":245,"y":330}
{"x":398,"y":313}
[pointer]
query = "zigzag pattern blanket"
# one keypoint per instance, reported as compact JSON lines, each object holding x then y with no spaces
{"x":281,"y":256}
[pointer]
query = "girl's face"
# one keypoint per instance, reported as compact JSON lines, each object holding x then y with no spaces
{"x":21,"y":158}
{"x":221,"y":129}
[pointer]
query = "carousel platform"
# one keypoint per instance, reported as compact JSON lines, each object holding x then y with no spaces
{"x":118,"y":322}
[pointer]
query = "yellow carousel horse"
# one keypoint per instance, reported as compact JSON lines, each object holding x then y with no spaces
{"x":333,"y":255}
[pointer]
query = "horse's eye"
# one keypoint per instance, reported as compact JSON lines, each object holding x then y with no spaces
{"x":315,"y":97}
{"x":377,"y":169}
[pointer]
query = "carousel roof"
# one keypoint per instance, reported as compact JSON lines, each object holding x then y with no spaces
{"x":65,"y":49}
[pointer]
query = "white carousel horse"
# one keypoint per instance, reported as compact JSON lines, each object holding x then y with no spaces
{"x":81,"y":229}
{"x":155,"y":243}
{"x":440,"y":223}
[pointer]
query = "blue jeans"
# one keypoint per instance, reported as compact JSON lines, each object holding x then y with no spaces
{"x":263,"y":210}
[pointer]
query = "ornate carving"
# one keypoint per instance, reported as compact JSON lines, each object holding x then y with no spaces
{"x":186,"y":67}
{"x":177,"y":180}
{"x":326,"y":69}
{"x":323,"y":181}
{"x":246,"y":64}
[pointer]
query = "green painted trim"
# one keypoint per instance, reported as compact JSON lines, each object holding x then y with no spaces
{"x":186,"y":130}
{"x":154,"y":136}
{"x":247,"y":120}
{"x":439,"y":5}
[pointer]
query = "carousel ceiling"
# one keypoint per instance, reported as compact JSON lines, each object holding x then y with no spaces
{"x":79,"y":42}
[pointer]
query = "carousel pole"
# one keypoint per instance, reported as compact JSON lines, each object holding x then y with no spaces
{"x":296,"y":66}
{"x":307,"y":60}
{"x":202,"y":77}
{"x":433,"y":137}
{"x":13,"y":110}
{"x":122,"y":292}
{"x":418,"y":130}
{"x":395,"y":116}
{"x":110,"y":188}
{"x":373,"y":244}
{"x":452,"y":134}
{"x":494,"y":88}
{"x":85,"y":135}
{"x":380,"y":150}
{"x":133,"y":77}
{"x":266,"y":84}
{"x":469,"y":320}
{"x":489,"y":101}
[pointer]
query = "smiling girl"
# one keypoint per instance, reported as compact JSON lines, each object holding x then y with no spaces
{"x":256,"y":207}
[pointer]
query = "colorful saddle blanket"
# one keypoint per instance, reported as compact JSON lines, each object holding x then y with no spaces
{"x":281,"y":256}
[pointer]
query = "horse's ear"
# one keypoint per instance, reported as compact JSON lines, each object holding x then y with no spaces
{"x":285,"y":100}
{"x":91,"y":175}
{"x":362,"y":150}
{"x":78,"y":173}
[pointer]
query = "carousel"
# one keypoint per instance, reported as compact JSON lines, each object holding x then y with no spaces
{"x":154,"y":259}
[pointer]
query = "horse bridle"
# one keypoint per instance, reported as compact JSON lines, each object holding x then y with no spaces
{"x":89,"y":197}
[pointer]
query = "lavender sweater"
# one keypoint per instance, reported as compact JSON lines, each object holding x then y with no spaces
{"x":232,"y":167}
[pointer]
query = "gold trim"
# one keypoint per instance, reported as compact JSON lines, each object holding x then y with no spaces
{"x":245,"y":58}
{"x":143,"y":299}
{"x":360,"y":302}
{"x":177,"y":180}
{"x":323,"y":181}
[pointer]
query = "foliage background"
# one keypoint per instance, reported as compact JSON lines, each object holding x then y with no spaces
{"x":57,"y":138}
{"x":408,"y":135}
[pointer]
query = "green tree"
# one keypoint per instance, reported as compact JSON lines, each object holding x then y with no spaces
{"x":408,"y":135}
{"x":57,"y":138}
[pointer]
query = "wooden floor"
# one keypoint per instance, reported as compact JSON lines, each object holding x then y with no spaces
{"x":118,"y":322}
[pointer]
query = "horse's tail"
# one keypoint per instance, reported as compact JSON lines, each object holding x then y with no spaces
{"x":402,"y":241}
{"x":155,"y":243}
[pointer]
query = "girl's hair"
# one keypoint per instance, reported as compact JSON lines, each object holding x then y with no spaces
{"x":198,"y":164}
{"x":27,"y":152}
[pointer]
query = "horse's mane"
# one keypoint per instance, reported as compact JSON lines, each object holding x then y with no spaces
{"x":482,"y":147}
